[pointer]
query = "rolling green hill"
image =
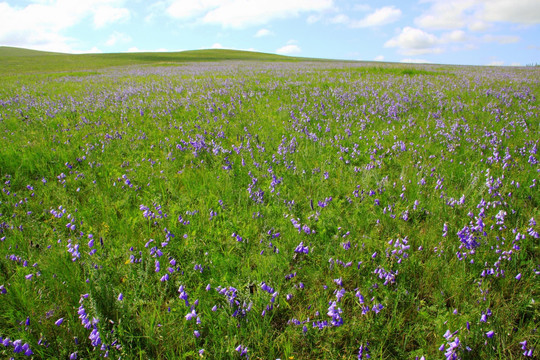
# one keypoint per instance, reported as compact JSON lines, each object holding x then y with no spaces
{"x":15,"y":51}
{"x":15,"y":61}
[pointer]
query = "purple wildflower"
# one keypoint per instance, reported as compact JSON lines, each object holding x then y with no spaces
{"x":363,"y":352}
{"x":190,"y":315}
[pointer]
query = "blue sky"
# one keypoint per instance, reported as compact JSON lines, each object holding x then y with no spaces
{"x":478,"y":32}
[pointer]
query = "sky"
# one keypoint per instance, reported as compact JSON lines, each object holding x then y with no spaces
{"x":473,"y":32}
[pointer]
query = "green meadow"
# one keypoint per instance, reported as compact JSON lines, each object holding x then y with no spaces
{"x":225,"y":204}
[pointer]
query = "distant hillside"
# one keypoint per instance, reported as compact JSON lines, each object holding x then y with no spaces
{"x":15,"y":51}
{"x":17,"y":61}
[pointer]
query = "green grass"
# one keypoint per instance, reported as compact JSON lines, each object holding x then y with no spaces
{"x":362,"y":164}
{"x":9,"y":51}
{"x":22,"y":61}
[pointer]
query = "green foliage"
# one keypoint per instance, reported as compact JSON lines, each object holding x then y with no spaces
{"x":131,"y":182}
{"x":16,"y":61}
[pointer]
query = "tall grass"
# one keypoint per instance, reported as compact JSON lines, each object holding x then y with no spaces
{"x":270,"y":210}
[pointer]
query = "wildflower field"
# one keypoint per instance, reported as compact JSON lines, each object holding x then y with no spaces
{"x":270,"y":209}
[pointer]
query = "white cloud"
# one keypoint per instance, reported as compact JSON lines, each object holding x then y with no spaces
{"x":496,"y":63}
{"x":105,"y":15}
{"x":361,"y":7}
{"x":187,"y":9}
{"x":478,"y":25}
{"x":445,"y":15}
{"x":154,"y":10}
{"x":263,"y":32}
{"x":243,"y":13}
{"x":39,"y":25}
{"x":515,"y":11}
{"x":289,"y":49}
{"x":379,"y":17}
{"x":340,"y":19}
{"x":93,"y":50}
{"x":312,"y":19}
{"x":501,"y":39}
{"x":477,"y":15}
{"x":379,"y":58}
{"x":136,"y":49}
{"x":454,"y":36}
{"x":413,"y":41}
{"x":515,"y":64}
{"x":414,"y":61}
{"x":220,"y":46}
{"x":34,"y":26}
{"x":117,"y":37}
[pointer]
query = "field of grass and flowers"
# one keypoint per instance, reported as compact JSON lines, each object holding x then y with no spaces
{"x":264,"y":210}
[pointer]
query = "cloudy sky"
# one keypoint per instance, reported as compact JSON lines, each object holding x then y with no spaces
{"x":480,"y":32}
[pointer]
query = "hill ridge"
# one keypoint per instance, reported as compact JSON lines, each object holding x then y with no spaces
{"x":20,"y":60}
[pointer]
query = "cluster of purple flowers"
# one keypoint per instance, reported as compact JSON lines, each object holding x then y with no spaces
{"x":452,"y":347}
{"x":526,"y":352}
{"x":305,"y":228}
{"x":243,"y":350}
{"x":301,"y":249}
{"x":389,"y":276}
{"x":18,"y":346}
{"x":363,"y":352}
{"x":335,"y":313}
{"x":157,"y":213}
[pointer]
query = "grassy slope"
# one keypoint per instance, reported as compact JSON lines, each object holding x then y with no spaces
{"x":50,"y":124}
{"x":17,"y":61}
{"x":15,"y":51}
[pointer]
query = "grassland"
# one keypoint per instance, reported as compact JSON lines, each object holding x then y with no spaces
{"x":221,"y":204}
{"x":16,"y":61}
